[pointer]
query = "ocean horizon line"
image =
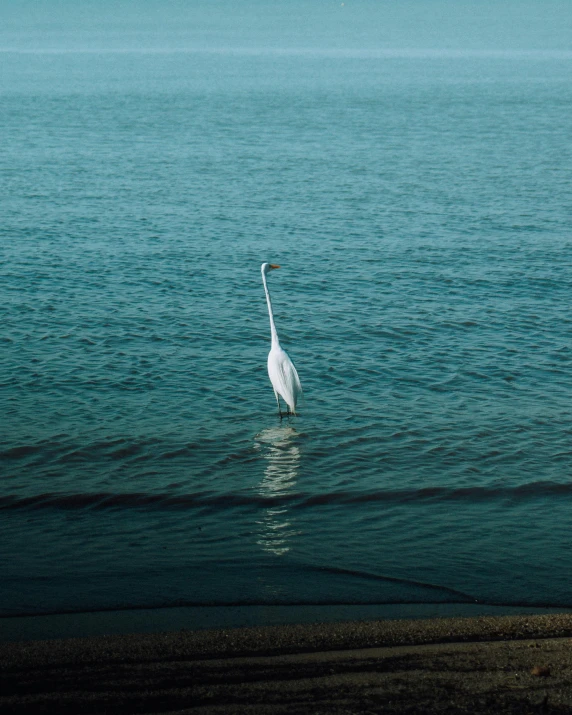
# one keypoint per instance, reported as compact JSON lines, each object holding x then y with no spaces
{"x":322,"y":53}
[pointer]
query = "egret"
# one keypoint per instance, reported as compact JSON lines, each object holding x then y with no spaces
{"x":281,"y":370}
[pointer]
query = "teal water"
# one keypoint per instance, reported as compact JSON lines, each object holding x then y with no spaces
{"x":410,"y":172}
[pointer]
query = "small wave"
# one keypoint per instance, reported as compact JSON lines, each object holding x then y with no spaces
{"x":458,"y":596}
{"x":299,"y":500}
{"x":24,"y":450}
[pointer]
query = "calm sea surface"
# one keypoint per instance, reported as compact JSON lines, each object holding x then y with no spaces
{"x":419,"y":203}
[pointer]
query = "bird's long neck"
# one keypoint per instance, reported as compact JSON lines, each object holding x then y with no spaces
{"x":272,"y":326}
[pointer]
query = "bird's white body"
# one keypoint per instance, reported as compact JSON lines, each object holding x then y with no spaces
{"x":281,"y":370}
{"x":284,"y":377}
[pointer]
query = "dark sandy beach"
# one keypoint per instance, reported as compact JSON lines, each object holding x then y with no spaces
{"x":513,"y":664}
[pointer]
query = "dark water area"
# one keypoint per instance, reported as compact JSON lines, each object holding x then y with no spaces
{"x":413,"y":182}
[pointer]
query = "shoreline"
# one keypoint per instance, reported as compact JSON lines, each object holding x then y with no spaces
{"x":194,"y":618}
{"x":478,"y":664}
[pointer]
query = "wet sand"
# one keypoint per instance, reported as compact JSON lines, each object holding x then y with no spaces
{"x":512,"y":664}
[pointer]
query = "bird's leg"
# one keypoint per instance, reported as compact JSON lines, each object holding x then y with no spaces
{"x":278,"y":402}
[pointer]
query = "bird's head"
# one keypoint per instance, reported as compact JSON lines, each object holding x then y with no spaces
{"x":265,"y":267}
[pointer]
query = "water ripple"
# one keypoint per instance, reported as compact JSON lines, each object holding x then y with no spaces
{"x":295,"y":500}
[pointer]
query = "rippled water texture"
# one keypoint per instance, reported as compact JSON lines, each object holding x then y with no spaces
{"x":419,"y":205}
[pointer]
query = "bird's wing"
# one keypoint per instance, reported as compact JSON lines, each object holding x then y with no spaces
{"x":284,"y":378}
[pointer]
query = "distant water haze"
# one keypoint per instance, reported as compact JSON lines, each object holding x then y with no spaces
{"x":408,"y":165}
{"x":349,"y":28}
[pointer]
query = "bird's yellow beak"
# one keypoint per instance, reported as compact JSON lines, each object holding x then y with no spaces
{"x":273,"y":265}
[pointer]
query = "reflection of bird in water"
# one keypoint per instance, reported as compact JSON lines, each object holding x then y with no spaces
{"x":281,"y":370}
{"x":283,"y":457}
{"x":278,"y":446}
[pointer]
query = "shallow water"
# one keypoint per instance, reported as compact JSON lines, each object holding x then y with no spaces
{"x":418,"y":202}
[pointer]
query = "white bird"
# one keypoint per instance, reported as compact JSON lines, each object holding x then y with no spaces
{"x":281,"y":370}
